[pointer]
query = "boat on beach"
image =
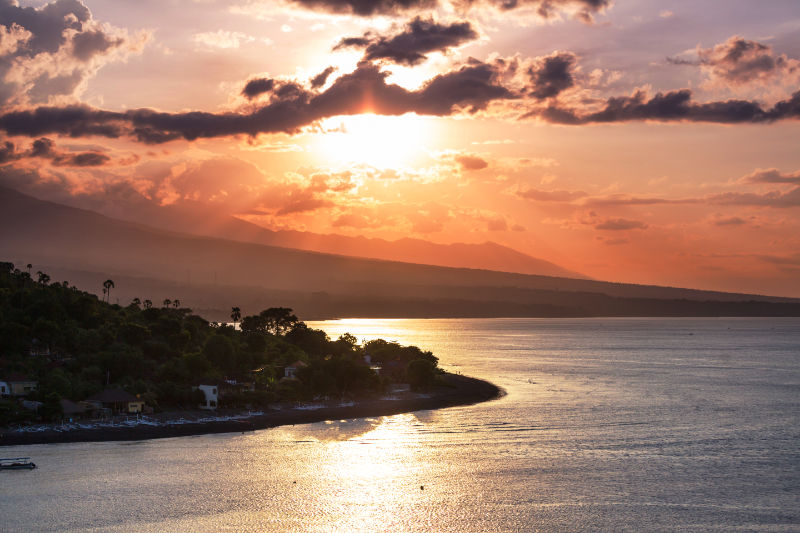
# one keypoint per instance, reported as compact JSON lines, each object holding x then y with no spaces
{"x":17,"y":463}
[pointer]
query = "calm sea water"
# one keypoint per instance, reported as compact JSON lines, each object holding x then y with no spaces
{"x":608,"y":424}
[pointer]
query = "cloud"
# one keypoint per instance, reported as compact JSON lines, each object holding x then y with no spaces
{"x":471,"y":162}
{"x":771,"y":175}
{"x":45,"y":148}
{"x":223,"y":38}
{"x":320,"y":79}
{"x":470,"y":88}
{"x":550,"y":75}
{"x":418,"y":37}
{"x":740,"y":61}
{"x":673,"y":106}
{"x":730,"y":221}
{"x":550,"y":196}
{"x":303,"y":201}
{"x":51,"y":51}
{"x":497,"y":224}
{"x":257,"y":86}
{"x":778,"y":199}
{"x":620,"y":224}
{"x":582,"y":9}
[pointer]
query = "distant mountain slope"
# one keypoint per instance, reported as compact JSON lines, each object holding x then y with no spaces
{"x":221,"y":273}
{"x":199,"y":221}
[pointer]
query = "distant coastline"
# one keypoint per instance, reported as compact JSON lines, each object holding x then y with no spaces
{"x":460,"y":390}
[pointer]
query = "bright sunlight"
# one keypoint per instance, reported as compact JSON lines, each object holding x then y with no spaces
{"x":375,"y":140}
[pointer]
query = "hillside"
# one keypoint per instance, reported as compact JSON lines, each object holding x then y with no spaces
{"x":85,"y":247}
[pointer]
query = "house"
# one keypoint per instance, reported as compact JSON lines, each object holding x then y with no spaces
{"x":20,"y":385}
{"x":118,"y":400}
{"x":291,"y":370}
{"x":211,"y":393}
{"x":39,"y":349}
{"x":4,"y":389}
{"x":74,"y":411}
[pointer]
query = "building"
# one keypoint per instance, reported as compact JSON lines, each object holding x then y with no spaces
{"x":4,"y":389}
{"x":291,"y":370}
{"x":20,"y":385}
{"x":118,"y":400}
{"x":211,"y":393}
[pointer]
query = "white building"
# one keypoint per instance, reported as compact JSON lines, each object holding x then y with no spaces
{"x":211,"y":393}
{"x":5,"y":390}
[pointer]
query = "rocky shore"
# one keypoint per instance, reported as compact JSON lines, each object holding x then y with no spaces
{"x":461,"y":390}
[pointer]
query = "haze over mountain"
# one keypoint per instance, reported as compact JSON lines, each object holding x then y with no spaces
{"x":198,"y":219}
{"x":210,"y":273}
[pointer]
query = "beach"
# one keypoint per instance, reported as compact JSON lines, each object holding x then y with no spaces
{"x":460,"y":390}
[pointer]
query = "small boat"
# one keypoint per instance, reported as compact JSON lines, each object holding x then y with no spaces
{"x":17,"y":463}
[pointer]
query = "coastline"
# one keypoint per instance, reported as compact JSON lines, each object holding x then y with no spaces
{"x":462,"y":390}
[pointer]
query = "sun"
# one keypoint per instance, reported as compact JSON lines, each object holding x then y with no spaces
{"x":375,"y":140}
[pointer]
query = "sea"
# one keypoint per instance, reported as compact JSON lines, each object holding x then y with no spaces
{"x":623,"y":424}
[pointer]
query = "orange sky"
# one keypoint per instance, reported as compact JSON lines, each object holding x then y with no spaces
{"x":622,"y":140}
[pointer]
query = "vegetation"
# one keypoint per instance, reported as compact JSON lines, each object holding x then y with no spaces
{"x":75,"y":345}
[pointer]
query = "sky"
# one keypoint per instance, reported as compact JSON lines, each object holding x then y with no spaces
{"x":628,"y":140}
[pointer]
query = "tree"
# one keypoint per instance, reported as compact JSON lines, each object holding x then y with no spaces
{"x":278,"y":320}
{"x":137,"y":302}
{"x":236,"y":315}
{"x":29,"y":266}
{"x":176,"y":303}
{"x":42,"y":278}
{"x":148,"y":304}
{"x":167,"y":302}
{"x":421,"y":374}
{"x":108,"y":285}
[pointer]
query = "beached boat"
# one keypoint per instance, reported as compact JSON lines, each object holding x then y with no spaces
{"x":17,"y":463}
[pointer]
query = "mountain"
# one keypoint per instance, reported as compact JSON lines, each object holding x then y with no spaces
{"x":216,"y":274}
{"x":198,"y":220}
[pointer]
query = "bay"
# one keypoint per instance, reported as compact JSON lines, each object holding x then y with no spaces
{"x":607,"y":425}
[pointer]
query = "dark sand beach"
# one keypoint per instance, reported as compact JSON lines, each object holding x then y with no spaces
{"x":462,"y":390}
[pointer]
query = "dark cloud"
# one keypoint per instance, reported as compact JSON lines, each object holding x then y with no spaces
{"x":419,"y":37}
{"x":471,"y":88}
{"x":772,"y":175}
{"x":584,"y":9}
{"x":551,"y":74}
{"x":49,"y":48}
{"x":673,"y":106}
{"x":46,"y":149}
{"x":620,"y":224}
{"x":320,"y":79}
{"x":471,"y":162}
{"x":90,"y":43}
{"x":257,"y":86}
{"x":739,"y":61}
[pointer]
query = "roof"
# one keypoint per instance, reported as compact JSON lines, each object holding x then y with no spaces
{"x":297,"y":364}
{"x":71,"y":408}
{"x":113,"y":396}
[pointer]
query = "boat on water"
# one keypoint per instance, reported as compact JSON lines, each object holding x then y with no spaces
{"x":17,"y":463}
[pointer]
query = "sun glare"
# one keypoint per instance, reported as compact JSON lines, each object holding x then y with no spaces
{"x":375,"y":140}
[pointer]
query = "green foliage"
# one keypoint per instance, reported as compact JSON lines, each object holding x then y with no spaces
{"x":85,"y":344}
{"x":421,"y":374}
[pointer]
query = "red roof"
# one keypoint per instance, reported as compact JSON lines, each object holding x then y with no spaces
{"x":16,"y":377}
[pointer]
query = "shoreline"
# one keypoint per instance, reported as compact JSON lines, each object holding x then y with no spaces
{"x":463,"y":390}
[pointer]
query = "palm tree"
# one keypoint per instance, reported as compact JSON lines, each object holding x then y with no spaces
{"x":167,"y":302}
{"x":147,"y":304}
{"x":108,"y":285}
{"x":137,"y":302}
{"x":43,"y":278}
{"x":176,"y":303}
{"x":30,"y":266}
{"x":236,"y":315}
